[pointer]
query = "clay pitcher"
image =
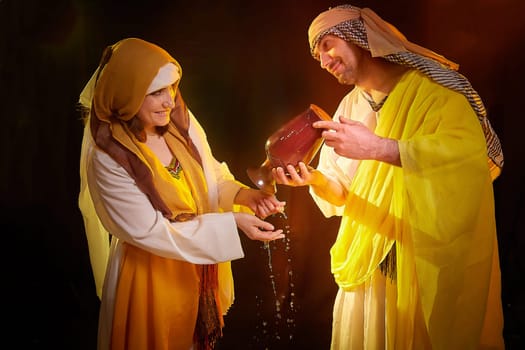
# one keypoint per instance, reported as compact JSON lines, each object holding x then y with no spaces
{"x":296,"y":141}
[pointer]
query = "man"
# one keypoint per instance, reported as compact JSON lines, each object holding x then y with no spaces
{"x":408,"y":162}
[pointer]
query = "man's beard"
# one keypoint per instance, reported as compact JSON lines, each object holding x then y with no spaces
{"x":343,"y":81}
{"x":344,"y":78}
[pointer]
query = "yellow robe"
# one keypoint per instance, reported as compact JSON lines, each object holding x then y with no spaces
{"x":439,"y":210}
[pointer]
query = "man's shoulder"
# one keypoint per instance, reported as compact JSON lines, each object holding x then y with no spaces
{"x":424,"y":84}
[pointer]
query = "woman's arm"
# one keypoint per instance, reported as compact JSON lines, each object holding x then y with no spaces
{"x":127,"y":213}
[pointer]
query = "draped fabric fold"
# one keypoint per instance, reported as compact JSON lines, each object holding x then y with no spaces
{"x":369,"y":222}
{"x":96,"y":234}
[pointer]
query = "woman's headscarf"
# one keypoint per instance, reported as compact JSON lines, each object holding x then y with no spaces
{"x":364,"y":28}
{"x":125,"y":75}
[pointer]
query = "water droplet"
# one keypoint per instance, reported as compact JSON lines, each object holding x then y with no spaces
{"x":282,"y":287}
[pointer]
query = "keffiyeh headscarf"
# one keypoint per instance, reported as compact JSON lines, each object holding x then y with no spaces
{"x":364,"y":28}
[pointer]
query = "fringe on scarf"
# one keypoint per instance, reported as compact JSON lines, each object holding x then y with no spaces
{"x":388,"y":265}
{"x":209,"y":325}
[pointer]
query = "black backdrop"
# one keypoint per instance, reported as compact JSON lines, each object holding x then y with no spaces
{"x":246,"y":69}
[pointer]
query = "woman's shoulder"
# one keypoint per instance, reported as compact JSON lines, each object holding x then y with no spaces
{"x":103,"y":163}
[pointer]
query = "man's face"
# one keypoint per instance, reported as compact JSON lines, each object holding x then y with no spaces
{"x":340,"y":58}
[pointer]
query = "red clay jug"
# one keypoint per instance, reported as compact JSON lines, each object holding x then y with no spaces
{"x":296,"y":141}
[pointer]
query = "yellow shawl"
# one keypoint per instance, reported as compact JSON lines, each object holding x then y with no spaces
{"x":438,"y":208}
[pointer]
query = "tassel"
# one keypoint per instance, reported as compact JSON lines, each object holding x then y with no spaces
{"x":209,"y":325}
{"x":388,"y":265}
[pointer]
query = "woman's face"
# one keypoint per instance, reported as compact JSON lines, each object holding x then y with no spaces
{"x":156,"y":108}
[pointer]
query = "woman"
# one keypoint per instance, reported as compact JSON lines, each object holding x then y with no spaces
{"x":150,"y":180}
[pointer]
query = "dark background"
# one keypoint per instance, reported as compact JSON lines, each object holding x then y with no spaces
{"x":246,"y":70}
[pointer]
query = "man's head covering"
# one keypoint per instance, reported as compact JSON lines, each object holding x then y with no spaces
{"x":364,"y":28}
{"x":381,"y":39}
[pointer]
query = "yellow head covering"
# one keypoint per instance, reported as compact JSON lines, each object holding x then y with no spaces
{"x":128,"y":68}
